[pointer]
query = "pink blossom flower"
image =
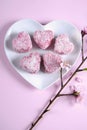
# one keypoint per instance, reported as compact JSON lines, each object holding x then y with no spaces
{"x":85,"y":30}
{"x":65,"y":65}
{"x":79,"y":92}
{"x":78,"y":79}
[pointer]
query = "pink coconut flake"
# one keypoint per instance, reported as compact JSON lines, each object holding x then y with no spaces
{"x":31,"y":63}
{"x":22,"y":42}
{"x":43,"y":38}
{"x":63,"y":45}
{"x":51,"y":62}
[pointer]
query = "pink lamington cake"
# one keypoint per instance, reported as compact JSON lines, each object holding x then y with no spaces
{"x":51,"y":61}
{"x":63,"y":45}
{"x":22,"y":42}
{"x":43,"y":38}
{"x":31,"y":63}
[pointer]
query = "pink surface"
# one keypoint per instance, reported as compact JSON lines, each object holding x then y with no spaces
{"x":20,"y":103}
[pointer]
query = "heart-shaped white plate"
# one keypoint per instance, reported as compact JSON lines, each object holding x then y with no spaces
{"x":41,"y":80}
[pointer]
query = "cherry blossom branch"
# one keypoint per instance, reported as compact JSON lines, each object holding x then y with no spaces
{"x":46,"y":109}
{"x":58,"y":94}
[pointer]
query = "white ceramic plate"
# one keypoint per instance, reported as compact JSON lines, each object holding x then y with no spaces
{"x":41,"y":80}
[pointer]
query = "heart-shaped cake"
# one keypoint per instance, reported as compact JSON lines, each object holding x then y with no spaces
{"x":51,"y":62}
{"x":41,"y":79}
{"x":31,"y":63}
{"x":43,"y":38}
{"x":22,"y":42}
{"x":63,"y":45}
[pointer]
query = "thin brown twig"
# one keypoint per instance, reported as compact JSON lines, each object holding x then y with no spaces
{"x":66,"y":94}
{"x":80,"y":70}
{"x":61,"y":77}
{"x":82,"y":50}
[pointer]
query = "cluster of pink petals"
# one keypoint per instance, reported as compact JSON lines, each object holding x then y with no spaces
{"x":78,"y":79}
{"x":78,"y":90}
{"x":85,"y":30}
{"x":65,"y":65}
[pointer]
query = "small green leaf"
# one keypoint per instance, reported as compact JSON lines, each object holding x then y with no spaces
{"x":85,"y":69}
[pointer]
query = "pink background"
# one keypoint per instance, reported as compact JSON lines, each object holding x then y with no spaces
{"x":19,"y":102}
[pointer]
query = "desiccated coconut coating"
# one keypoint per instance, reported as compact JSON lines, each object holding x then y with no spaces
{"x":51,"y":61}
{"x":63,"y":45}
{"x":22,"y":43}
{"x":43,"y":38}
{"x":31,"y":63}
